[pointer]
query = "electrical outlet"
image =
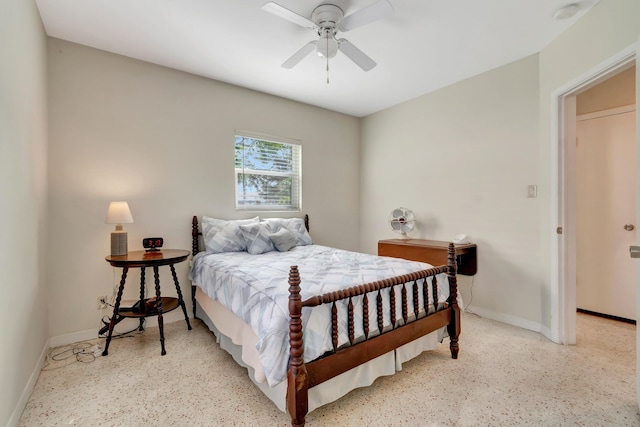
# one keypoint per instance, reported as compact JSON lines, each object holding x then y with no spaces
{"x":101,"y":302}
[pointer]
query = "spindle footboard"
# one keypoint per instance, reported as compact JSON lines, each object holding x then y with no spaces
{"x":302,"y":376}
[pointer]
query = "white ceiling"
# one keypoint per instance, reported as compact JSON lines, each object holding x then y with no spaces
{"x":423,"y":46}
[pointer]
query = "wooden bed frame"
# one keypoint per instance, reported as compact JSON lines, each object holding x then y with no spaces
{"x":302,"y":376}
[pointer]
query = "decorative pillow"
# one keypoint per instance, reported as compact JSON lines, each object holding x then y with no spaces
{"x":294,"y":225}
{"x":221,"y":235}
{"x":257,"y":238}
{"x":283,"y":240}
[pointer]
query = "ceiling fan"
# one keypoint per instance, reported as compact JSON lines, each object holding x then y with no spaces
{"x":327,"y":20}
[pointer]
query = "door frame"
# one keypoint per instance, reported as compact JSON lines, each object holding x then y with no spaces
{"x":563,"y":193}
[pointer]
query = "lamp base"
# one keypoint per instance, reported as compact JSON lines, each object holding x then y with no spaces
{"x":119,"y":243}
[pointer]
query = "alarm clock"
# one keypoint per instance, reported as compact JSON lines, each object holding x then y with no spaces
{"x":152,"y":244}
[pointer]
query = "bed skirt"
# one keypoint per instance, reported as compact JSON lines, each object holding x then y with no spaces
{"x":236,"y":337}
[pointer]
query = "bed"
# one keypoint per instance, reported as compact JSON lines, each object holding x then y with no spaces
{"x":311,"y":323}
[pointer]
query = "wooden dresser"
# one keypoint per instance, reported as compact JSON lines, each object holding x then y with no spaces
{"x":431,"y":251}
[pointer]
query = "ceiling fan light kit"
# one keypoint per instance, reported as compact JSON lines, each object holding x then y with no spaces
{"x":327,"y":20}
{"x":327,"y":46}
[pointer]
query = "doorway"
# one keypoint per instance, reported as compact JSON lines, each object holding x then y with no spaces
{"x":564,"y":268}
{"x":606,"y":197}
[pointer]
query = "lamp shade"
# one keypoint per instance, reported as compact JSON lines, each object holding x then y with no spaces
{"x":119,"y":213}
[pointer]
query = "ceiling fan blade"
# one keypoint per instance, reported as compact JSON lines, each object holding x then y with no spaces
{"x":283,"y":12}
{"x":366,"y":15}
{"x":299,"y":55}
{"x":356,"y":55}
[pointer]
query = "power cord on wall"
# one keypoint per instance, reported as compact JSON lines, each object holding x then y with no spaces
{"x":466,"y":308}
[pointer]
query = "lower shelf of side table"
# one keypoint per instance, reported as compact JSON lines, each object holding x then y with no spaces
{"x":168,"y":304}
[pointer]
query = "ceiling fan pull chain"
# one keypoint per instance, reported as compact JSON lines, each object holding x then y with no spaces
{"x":327,"y":70}
{"x":327,"y":61}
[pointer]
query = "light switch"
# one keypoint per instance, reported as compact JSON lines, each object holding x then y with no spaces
{"x":532,"y":191}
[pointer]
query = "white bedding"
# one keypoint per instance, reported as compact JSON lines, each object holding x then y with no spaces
{"x":255,"y":288}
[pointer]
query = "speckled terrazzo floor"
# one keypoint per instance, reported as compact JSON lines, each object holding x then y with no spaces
{"x":505,"y":376}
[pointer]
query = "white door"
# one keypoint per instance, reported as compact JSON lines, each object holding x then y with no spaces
{"x":606,"y":276}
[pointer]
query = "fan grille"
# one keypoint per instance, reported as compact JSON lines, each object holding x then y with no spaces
{"x":402,"y":220}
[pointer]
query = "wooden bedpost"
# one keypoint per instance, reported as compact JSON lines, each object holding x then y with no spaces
{"x":194,"y":251}
{"x":454,"y":327}
{"x":194,"y":236}
{"x":297,"y":381}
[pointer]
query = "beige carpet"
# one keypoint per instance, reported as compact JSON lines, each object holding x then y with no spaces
{"x":504,"y":376}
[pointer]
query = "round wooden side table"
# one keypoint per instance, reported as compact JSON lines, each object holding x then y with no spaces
{"x":147,"y":306}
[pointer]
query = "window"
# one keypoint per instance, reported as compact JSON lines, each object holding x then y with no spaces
{"x":267,"y":173}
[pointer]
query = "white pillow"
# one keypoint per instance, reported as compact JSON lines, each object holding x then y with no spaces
{"x":257,"y":238}
{"x":294,"y":225}
{"x":221,"y":235}
{"x":283,"y":240}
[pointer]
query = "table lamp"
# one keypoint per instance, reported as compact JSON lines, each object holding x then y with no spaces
{"x":118,"y":214}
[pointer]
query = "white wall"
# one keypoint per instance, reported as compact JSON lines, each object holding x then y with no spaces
{"x":23,"y":152}
{"x":122,"y":129}
{"x":461,"y":158}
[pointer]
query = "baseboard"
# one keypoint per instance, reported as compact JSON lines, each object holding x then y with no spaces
{"x":546,"y":331}
{"x":28,"y":389}
{"x":507,"y":318}
{"x":89,"y":334}
{"x":73,"y":337}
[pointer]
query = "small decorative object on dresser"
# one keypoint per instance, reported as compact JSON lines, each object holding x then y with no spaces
{"x":403,"y":221}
